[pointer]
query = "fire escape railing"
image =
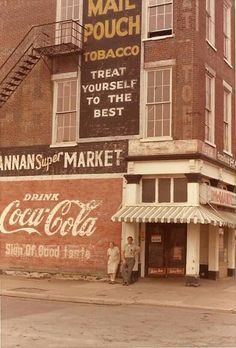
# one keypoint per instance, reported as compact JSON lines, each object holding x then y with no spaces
{"x":51,"y":39}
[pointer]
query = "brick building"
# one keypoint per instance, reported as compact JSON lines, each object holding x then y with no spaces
{"x":117,"y":119}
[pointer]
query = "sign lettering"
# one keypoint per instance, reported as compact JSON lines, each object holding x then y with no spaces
{"x":65,"y":217}
{"x":214,"y":195}
{"x":110,"y":77}
{"x":85,"y":158}
{"x":81,"y":253}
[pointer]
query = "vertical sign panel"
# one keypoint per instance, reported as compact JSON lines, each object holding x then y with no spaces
{"x":110,"y":79}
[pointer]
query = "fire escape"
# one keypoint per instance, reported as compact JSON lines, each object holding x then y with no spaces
{"x":52,"y":39}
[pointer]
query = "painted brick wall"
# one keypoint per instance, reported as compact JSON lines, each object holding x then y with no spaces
{"x":28,"y":235}
{"x":31,"y":105}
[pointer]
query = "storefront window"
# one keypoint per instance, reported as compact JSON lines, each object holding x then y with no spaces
{"x":164,"y":190}
{"x":180,"y":190}
{"x":148,"y":190}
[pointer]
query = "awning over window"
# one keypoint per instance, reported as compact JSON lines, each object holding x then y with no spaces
{"x":175,"y":214}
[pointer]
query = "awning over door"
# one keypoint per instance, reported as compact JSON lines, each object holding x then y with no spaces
{"x":175,"y":214}
{"x":230,"y":218}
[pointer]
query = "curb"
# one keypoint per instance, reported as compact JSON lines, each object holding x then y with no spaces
{"x":60,"y":298}
{"x":111,"y":302}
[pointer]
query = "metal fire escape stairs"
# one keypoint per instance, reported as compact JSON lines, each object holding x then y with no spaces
{"x":50,"y":40}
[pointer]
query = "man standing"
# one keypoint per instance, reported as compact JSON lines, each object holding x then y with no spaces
{"x":128,"y":258}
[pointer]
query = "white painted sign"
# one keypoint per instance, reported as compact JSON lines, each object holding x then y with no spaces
{"x":81,"y":252}
{"x":117,"y":91}
{"x":61,"y":217}
{"x":76,"y":159}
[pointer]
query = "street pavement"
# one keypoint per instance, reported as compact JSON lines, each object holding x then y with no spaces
{"x":215,"y":295}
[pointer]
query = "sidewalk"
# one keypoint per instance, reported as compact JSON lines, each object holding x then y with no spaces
{"x":216,"y":295}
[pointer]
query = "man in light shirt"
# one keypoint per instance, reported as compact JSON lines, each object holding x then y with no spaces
{"x":128,"y":258}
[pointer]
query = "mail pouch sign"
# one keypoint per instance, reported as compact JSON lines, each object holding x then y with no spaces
{"x":110,"y":74}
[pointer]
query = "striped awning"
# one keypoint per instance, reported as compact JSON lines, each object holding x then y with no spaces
{"x":229,"y":217}
{"x":175,"y":214}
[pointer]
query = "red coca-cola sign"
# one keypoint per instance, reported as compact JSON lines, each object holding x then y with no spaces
{"x":62,"y":224}
{"x":64,"y":217}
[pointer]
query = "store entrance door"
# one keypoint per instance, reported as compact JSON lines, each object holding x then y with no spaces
{"x":165,"y":249}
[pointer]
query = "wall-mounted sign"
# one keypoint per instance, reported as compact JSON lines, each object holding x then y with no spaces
{"x":58,"y":217}
{"x":211,"y":152}
{"x":110,"y":74}
{"x":176,"y":270}
{"x":214,"y":195}
{"x":177,"y":253}
{"x":156,"y":270}
{"x":156,"y":238}
{"x":61,"y":224}
{"x":226,"y":159}
{"x":86,"y":158}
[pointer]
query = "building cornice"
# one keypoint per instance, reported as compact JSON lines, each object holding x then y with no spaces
{"x":183,"y":156}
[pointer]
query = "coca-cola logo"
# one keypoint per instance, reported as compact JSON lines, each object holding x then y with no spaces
{"x":63,"y":218}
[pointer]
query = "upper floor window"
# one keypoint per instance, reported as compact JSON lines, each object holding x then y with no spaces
{"x":164,"y":190}
{"x":210,"y":21}
{"x":65,"y":101}
{"x":160,"y":15}
{"x":159,"y":103}
{"x":69,"y":9}
{"x":210,"y":108}
{"x":227,"y":128}
{"x":227,"y":30}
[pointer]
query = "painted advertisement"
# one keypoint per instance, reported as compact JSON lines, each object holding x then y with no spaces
{"x":224,"y":158}
{"x":110,"y":74}
{"x":87,"y":158}
{"x":59,"y":224}
{"x":217,"y":196}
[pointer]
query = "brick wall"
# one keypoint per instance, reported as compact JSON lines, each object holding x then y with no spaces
{"x":35,"y":221}
{"x":215,"y":59}
{"x":26,"y":117}
{"x":32,"y":102}
{"x":191,"y":52}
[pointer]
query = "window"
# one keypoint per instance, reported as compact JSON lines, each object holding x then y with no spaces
{"x":180,"y":190}
{"x":160,"y":14}
{"x":65,"y":94}
{"x":69,"y":9}
{"x":210,"y":21}
{"x":164,"y":190}
{"x":210,"y":109}
{"x":227,"y":119}
{"x":158,"y":107}
{"x":148,"y":190}
{"x":227,"y":31}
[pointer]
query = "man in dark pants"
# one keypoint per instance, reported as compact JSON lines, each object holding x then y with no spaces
{"x":128,"y":258}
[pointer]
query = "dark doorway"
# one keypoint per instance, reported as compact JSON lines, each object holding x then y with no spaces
{"x":165,"y":249}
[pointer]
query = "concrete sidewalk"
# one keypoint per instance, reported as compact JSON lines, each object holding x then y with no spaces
{"x":216,"y":295}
